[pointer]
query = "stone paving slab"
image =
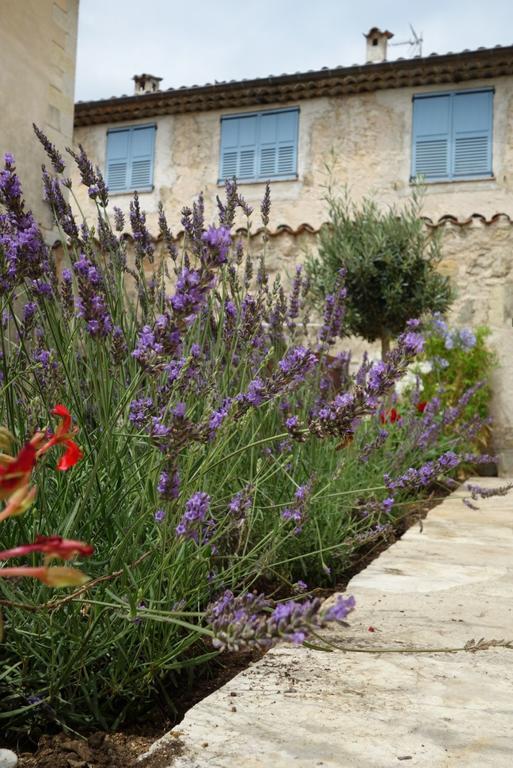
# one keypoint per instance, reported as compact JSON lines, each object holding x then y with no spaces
{"x":303,"y":708}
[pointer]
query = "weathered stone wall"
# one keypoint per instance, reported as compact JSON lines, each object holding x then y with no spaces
{"x":37,"y":82}
{"x":365,"y":137}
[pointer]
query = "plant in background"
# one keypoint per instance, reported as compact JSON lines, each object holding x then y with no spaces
{"x":224,"y":457}
{"x":455,"y":361}
{"x":390,"y":263}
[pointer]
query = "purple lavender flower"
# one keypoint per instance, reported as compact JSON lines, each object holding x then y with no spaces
{"x":159,"y":515}
{"x":425,"y":475}
{"x":297,"y":511}
{"x":341,"y":609}
{"x":142,"y":239}
{"x":292,"y":423}
{"x":341,"y":416}
{"x":265,"y":207}
{"x":334,"y":312}
{"x":218,"y":240}
{"x":166,"y":234}
{"x":29,"y":310}
{"x":478,"y":491}
{"x":119,"y":347}
{"x":218,"y":416}
{"x":140,"y":411}
{"x":90,"y":176}
{"x":228,"y":208}
{"x":168,"y":485}
{"x":240,"y":504}
{"x":25,"y":254}
{"x":196,"y":523}
{"x":251,"y":621}
{"x":297,"y":363}
{"x":119,"y":219}
{"x":91,"y":302}
{"x":152,"y":343}
{"x":51,"y":150}
{"x":190,"y":293}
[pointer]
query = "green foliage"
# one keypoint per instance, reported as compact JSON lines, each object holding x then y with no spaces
{"x":460,"y":359}
{"x":390,"y":262}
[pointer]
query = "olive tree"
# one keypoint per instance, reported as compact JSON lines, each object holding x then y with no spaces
{"x":390,"y":261}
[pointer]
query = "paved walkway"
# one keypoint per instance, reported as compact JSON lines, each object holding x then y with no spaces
{"x":435,"y":589}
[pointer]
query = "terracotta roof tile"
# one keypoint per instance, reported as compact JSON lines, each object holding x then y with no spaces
{"x":330,"y":81}
{"x":475,"y":219}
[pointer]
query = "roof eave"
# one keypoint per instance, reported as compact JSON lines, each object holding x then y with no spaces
{"x":450,"y":68}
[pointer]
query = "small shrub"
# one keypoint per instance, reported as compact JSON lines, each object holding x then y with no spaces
{"x":389,"y":262}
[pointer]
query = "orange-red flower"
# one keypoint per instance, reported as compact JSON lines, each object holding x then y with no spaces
{"x":15,"y":471}
{"x":390,"y":416}
{"x":51,"y":546}
{"x":63,"y":436}
{"x":421,"y":407}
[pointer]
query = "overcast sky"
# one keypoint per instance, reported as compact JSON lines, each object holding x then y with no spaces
{"x":209,"y":40}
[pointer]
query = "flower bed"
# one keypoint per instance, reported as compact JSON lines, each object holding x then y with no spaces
{"x":226,"y":462}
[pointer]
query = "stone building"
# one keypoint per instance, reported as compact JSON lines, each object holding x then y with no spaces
{"x":38,"y":40}
{"x":379,"y":125}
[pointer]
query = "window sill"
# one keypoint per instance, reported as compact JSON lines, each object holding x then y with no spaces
{"x":438,"y":182}
{"x":121,"y":192}
{"x":240,"y":182}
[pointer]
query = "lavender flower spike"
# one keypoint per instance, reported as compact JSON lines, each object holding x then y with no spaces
{"x":251,"y":621}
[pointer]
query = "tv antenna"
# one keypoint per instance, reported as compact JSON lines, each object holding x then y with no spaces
{"x":415,"y":43}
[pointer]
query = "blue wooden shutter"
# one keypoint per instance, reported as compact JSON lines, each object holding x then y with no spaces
{"x":278,"y":144}
{"x":117,"y":160}
{"x":238,"y":147}
{"x":229,"y":148}
{"x":472,"y":126}
{"x":431,"y":136}
{"x":287,"y":143}
{"x":268,"y":154}
{"x":141,"y":156}
{"x":247,"y":147}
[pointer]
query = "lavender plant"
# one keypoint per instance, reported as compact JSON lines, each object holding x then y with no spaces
{"x":222,"y":451}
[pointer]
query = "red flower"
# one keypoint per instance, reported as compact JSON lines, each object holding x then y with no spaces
{"x":62,"y":436}
{"x":390,"y":416}
{"x":421,"y":407}
{"x":15,"y":471}
{"x":51,"y":546}
{"x":70,"y":457}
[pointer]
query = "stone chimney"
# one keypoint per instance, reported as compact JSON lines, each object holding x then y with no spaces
{"x":377,"y":42}
{"x":146,"y":84}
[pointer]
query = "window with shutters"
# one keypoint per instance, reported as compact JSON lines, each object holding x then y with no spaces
{"x":452,"y":135}
{"x":259,"y":146}
{"x":129,"y":163}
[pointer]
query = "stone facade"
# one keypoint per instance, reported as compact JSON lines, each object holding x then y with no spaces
{"x":365,"y":140}
{"x":37,"y":80}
